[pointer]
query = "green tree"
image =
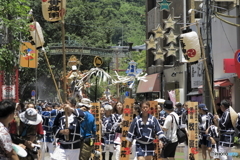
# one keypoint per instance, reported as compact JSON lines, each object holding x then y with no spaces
{"x":13,"y":23}
{"x":91,"y":23}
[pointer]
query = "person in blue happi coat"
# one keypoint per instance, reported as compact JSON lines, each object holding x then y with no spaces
{"x":144,"y":128}
{"x":48,"y":118}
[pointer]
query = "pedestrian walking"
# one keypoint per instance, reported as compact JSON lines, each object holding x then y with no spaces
{"x":108,"y":132}
{"x":88,"y":130}
{"x":179,"y":110}
{"x":226,"y":129}
{"x":170,"y":130}
{"x":213,"y":136}
{"x":136,"y":112}
{"x":30,"y":132}
{"x":162,"y":115}
{"x":206,"y":121}
{"x":118,"y":113}
{"x":7,"y":109}
{"x":66,"y":128}
{"x":48,"y":116}
{"x":144,"y":128}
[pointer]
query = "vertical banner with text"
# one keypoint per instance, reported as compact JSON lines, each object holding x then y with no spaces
{"x":193,"y":131}
{"x":127,"y":119}
{"x":154,"y":112}
{"x":95,"y":110}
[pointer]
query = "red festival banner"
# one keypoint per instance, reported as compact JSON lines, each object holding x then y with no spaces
{"x":127,"y":119}
{"x":193,"y":131}
{"x":95,"y":111}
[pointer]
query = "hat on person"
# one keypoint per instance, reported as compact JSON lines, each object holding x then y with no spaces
{"x":49,"y":105}
{"x":108,"y":107}
{"x":85,"y":102}
{"x":30,"y":116}
{"x":233,"y":116}
{"x":160,"y":100}
{"x":178,"y":104}
{"x":168,"y":104}
{"x":203,"y":107}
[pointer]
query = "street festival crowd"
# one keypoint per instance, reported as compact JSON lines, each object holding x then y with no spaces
{"x":43,"y":128}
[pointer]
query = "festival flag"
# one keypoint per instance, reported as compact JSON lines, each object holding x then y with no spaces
{"x":172,"y":96}
{"x":28,"y":55}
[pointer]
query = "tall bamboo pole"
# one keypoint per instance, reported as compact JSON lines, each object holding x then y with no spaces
{"x":206,"y":69}
{"x":64,"y":69}
{"x":49,"y":66}
{"x":64,"y":56}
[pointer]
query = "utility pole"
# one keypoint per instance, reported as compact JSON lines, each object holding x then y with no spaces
{"x":207,"y":32}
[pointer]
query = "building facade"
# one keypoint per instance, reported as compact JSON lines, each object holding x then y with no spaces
{"x":186,"y":80}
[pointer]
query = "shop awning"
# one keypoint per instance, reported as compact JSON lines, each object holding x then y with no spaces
{"x":222,"y":83}
{"x":152,"y":84}
{"x":193,"y":93}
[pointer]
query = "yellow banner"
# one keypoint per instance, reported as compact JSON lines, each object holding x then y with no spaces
{"x":177,"y":95}
{"x":193,"y":150}
{"x":28,"y":55}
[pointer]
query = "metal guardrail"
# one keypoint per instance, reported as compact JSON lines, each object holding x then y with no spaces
{"x":78,"y":50}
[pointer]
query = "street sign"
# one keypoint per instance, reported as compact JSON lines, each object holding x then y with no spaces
{"x":237,"y":62}
{"x":33,"y":93}
{"x":8,"y":92}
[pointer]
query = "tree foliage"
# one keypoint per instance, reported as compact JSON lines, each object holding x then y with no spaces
{"x":13,"y":23}
{"x":91,"y":23}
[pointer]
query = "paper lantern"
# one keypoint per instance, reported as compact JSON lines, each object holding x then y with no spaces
{"x":36,"y":34}
{"x":190,"y":46}
{"x":53,"y":10}
{"x":28,"y":55}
